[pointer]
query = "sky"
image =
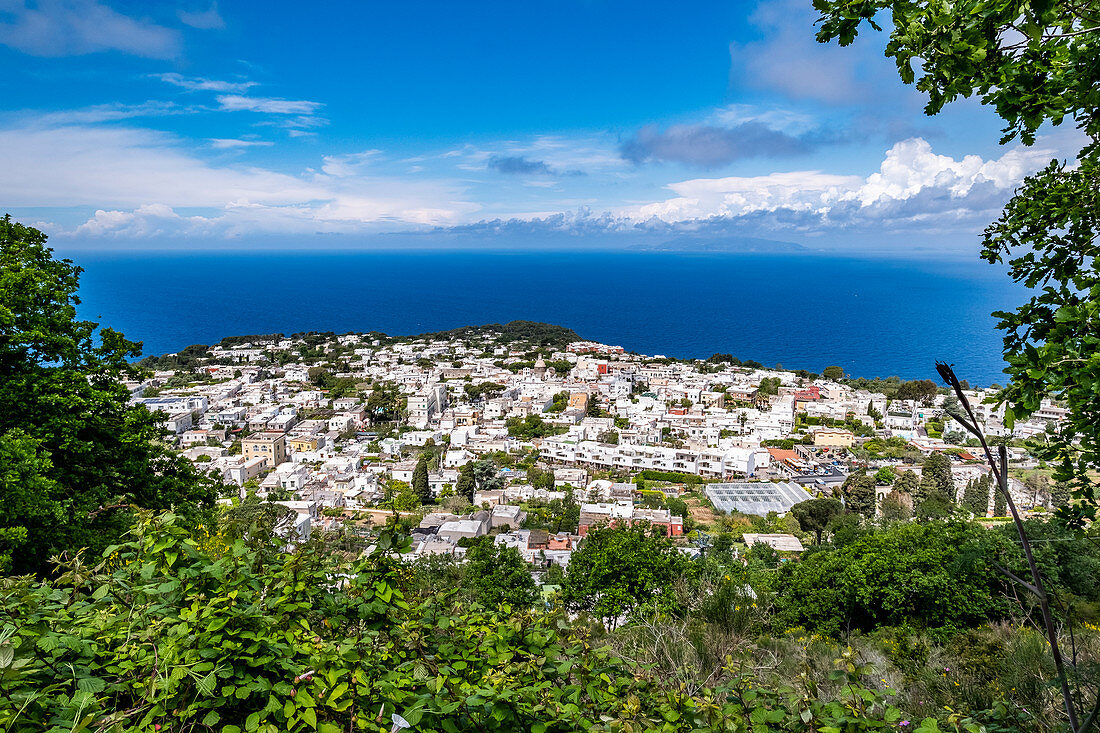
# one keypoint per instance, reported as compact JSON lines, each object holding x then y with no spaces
{"x":578,"y":123}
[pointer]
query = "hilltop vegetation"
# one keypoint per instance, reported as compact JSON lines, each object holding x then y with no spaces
{"x":531,"y":333}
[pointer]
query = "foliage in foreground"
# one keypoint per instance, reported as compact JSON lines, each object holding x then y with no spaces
{"x":170,"y":632}
{"x":74,"y":453}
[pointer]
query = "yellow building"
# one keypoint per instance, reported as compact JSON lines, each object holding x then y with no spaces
{"x":271,"y":446}
{"x":302,"y":443}
{"x":834,"y":438}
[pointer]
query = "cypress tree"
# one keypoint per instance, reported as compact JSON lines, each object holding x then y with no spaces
{"x":466,"y":484}
{"x":420,"y":481}
{"x":976,"y":495}
{"x":999,"y":504}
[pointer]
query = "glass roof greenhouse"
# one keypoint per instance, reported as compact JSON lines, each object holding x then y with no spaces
{"x":759,"y":497}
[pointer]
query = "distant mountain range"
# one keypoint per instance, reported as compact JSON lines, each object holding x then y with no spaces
{"x":723,"y":244}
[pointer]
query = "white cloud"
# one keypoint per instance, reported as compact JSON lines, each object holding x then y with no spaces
{"x":912,"y":184}
{"x":195,"y":84}
{"x":788,"y":59}
{"x":110,"y":112}
{"x":137,"y":180}
{"x":588,"y":154}
{"x":267,"y":105}
{"x":145,"y":221}
{"x":98,"y":166}
{"x":209,"y":19}
{"x":343,"y":166}
{"x":776,"y":118}
{"x":229,"y":143}
{"x":77,"y":27}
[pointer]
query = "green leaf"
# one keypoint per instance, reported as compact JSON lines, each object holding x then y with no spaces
{"x":211,"y":719}
{"x":414,"y":715}
{"x":206,"y":684}
{"x":90,"y":684}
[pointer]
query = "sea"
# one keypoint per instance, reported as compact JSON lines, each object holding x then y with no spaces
{"x":875,"y":317}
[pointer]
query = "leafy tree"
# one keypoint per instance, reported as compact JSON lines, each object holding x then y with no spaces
{"x":925,"y":575}
{"x":991,"y":50}
{"x":620,"y":569}
{"x":497,"y":575}
{"x":814,"y":515}
{"x":420,"y":485}
{"x":74,"y":453}
{"x":835,"y":373}
{"x":532,"y":427}
{"x":895,"y":507}
{"x":762,"y":556}
{"x":342,"y":387}
{"x":1051,"y":233}
{"x":476,"y":392}
{"x":486,"y":475}
{"x":885,"y":476}
{"x":907,"y":482}
{"x":559,"y":402}
{"x":846,"y":528}
{"x":321,"y":378}
{"x":935,"y":480}
{"x":1034,"y":62}
{"x":400,"y":497}
{"x":954,"y":437}
{"x":769,"y":386}
{"x":1068,"y":562}
{"x":918,"y":390}
{"x":540,"y":478}
{"x":859,"y":494}
{"x":385,"y":402}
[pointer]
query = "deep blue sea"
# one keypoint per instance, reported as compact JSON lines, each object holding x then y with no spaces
{"x":874,"y":317}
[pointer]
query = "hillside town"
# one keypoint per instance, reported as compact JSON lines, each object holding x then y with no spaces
{"x":529,"y":435}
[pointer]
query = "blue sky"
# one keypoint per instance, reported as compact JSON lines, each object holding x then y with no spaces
{"x":512,"y":124}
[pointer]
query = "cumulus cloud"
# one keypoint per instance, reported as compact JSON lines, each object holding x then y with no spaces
{"x":913,"y":185}
{"x":710,"y":146}
{"x":77,"y":27}
{"x":145,"y":221}
{"x":196,"y":84}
